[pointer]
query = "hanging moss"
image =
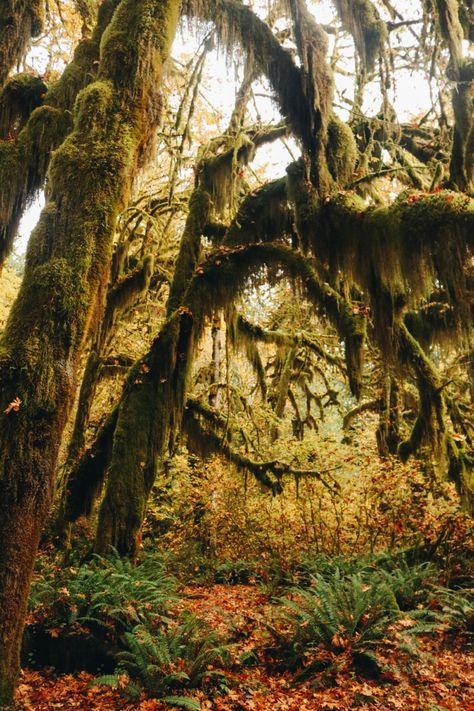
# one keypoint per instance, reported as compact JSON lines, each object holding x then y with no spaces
{"x":219,"y":280}
{"x":24,"y":163}
{"x":125,"y":294}
{"x":361,"y":19}
{"x":396,"y":254}
{"x":237,"y":23}
{"x":432,"y":323}
{"x":263,"y":216}
{"x":19,"y":21}
{"x":241,"y":336}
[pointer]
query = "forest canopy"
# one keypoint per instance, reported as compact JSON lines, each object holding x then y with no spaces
{"x":254,"y":256}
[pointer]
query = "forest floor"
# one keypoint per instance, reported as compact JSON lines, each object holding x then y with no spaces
{"x":441,"y":678}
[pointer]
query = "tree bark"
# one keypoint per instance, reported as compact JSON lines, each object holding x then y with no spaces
{"x":66,"y":267}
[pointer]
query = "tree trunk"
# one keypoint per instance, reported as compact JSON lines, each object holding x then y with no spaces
{"x":152,"y":403}
{"x":66,"y":267}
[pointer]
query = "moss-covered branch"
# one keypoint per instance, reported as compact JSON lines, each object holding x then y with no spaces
{"x":303,"y":95}
{"x":206,"y":440}
{"x":226,"y":272}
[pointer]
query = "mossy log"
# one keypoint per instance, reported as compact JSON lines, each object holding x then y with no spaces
{"x":20,"y":20}
{"x":67,"y":264}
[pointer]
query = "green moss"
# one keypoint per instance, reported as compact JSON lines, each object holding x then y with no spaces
{"x":262,"y":216}
{"x":396,"y":254}
{"x":20,"y":96}
{"x":44,"y":131}
{"x":341,"y":151}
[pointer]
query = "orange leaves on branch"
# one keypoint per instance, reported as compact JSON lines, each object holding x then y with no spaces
{"x":14,"y":406}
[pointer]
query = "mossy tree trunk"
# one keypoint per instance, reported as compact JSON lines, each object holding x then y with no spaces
{"x":24,"y":161}
{"x":461,"y":71}
{"x":151,"y":404}
{"x":66,"y":268}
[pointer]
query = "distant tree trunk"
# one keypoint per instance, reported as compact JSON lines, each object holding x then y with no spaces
{"x":20,"y":20}
{"x":66,"y":267}
{"x":388,"y":432}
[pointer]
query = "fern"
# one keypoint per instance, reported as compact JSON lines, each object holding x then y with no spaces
{"x":174,"y":656}
{"x":349,"y":616}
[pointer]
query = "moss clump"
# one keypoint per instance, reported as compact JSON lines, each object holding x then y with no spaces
{"x":361,"y":19}
{"x":341,"y":151}
{"x":263,"y":216}
{"x":20,"y":96}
